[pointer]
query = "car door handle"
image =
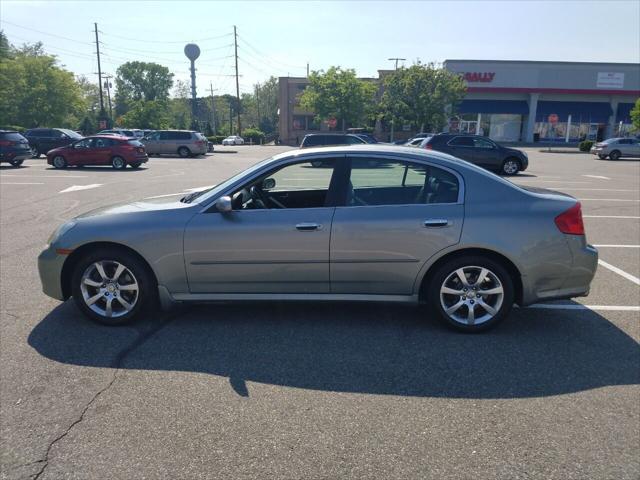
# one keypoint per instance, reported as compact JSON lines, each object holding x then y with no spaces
{"x":308,"y":227}
{"x":436,"y":222}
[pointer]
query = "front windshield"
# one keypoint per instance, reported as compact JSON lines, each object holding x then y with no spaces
{"x":71,"y":133}
{"x":204,"y":195}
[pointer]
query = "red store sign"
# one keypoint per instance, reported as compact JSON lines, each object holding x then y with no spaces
{"x":477,"y":77}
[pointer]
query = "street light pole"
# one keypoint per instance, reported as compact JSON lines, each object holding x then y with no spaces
{"x":393,"y":113}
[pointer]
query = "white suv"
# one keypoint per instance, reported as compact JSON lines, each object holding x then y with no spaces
{"x":233,"y":140}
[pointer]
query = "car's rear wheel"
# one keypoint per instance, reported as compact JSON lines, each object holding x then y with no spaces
{"x":615,"y":155}
{"x":35,"y":153}
{"x":59,"y":162}
{"x":511,"y":166}
{"x":118,"y":163}
{"x":184,"y":152}
{"x":602,"y":157}
{"x":471,"y":294}
{"x":16,"y":163}
{"x":112,"y":287}
{"x":135,"y":165}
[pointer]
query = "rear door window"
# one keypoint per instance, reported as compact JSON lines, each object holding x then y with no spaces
{"x":461,"y":142}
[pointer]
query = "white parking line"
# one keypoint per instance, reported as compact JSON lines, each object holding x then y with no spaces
{"x":607,"y":200}
{"x":75,"y":188}
{"x":597,"y":176}
{"x":622,"y":273}
{"x":609,"y":216}
{"x":617,"y":246}
{"x":574,"y":306}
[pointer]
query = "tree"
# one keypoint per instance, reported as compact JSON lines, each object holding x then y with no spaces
{"x":420,"y":95}
{"x":35,"y":91}
{"x":5,"y":49}
{"x":141,"y":81}
{"x":152,"y":114}
{"x":179,"y":108}
{"x":635,"y":116}
{"x":338,"y":94}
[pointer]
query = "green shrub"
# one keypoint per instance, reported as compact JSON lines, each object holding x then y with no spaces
{"x":585,"y":145}
{"x":252,"y":135}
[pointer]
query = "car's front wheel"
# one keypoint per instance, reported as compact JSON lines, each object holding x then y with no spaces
{"x":471,"y":294}
{"x":112,"y":287}
{"x":511,"y":166}
{"x":59,"y":162}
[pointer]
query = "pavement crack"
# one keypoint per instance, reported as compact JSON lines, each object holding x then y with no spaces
{"x":118,"y":361}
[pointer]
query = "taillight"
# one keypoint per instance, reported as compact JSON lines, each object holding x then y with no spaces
{"x":428,"y":147}
{"x":199,"y":142}
{"x":570,"y":222}
{"x":7,"y":143}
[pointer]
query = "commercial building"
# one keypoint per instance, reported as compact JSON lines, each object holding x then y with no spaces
{"x":512,"y":101}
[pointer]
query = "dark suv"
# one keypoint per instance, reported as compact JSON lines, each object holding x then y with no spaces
{"x":480,"y":150}
{"x":330,"y":139}
{"x":41,"y":140}
{"x":14,"y":148}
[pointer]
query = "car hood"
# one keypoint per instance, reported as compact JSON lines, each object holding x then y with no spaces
{"x":513,"y":151}
{"x":151,"y":204}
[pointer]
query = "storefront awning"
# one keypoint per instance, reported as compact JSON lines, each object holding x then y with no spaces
{"x":581,"y":112}
{"x":494,"y":106}
{"x":624,"y":112}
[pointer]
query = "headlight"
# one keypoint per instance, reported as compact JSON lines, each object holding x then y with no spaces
{"x":61,"y":230}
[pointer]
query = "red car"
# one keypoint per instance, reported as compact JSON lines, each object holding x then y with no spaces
{"x":114,"y":150}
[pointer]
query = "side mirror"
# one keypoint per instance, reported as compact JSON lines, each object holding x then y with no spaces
{"x":223,"y":204}
{"x":268,"y":184}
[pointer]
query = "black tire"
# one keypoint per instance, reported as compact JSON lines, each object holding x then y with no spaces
{"x":59,"y":162}
{"x":615,"y":155}
{"x":16,"y":163}
{"x":184,"y":152}
{"x":35,"y":152}
{"x":118,"y":163}
{"x":447,"y":273}
{"x":602,"y":157}
{"x":147,"y":294}
{"x":510,"y":166}
{"x":135,"y":165}
{"x":316,"y":163}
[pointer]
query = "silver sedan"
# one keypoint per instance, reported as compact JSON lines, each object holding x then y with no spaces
{"x":363,"y":223}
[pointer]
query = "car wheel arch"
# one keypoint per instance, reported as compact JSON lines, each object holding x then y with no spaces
{"x":72,"y":260}
{"x":433,"y":264}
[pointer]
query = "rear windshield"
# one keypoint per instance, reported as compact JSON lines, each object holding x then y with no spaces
{"x":13,"y":136}
{"x":135,"y":143}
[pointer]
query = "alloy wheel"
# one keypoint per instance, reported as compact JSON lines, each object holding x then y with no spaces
{"x":471,"y":295}
{"x":510,"y":167}
{"x":109,"y":288}
{"x":59,"y":161}
{"x":118,"y":163}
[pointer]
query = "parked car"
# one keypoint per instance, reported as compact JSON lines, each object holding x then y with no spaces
{"x":233,"y":140}
{"x":41,"y":140}
{"x":185,"y":143}
{"x":330,"y":139}
{"x":368,"y":138}
{"x":416,"y":142}
{"x":117,"y":151}
{"x":119,"y":131}
{"x":413,"y":140}
{"x":380,"y":223}
{"x":14,"y":148}
{"x":479,"y":150}
{"x":616,"y":148}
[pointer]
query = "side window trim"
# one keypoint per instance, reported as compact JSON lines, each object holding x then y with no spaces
{"x":426,"y":163}
{"x":458,"y":146}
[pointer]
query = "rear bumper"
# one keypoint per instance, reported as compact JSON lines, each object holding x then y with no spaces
{"x":576,"y":283}
{"x":12,"y":156}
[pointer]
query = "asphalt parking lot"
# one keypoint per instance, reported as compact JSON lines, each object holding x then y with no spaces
{"x":298,"y":390}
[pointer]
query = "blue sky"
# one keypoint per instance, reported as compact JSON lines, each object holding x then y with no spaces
{"x":279,"y":38}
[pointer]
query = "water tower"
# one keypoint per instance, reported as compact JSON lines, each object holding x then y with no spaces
{"x":192,"y":51}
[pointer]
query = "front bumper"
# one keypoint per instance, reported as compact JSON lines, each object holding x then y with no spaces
{"x":50,"y":269}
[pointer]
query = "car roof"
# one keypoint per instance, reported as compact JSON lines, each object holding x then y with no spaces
{"x":331,"y":134}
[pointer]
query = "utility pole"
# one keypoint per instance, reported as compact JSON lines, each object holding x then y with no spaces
{"x":213,"y":109}
{"x":307,"y":69}
{"x":103,"y":114}
{"x":258,"y":103}
{"x":235,"y":42}
{"x":107,"y":84}
{"x":393,"y":118}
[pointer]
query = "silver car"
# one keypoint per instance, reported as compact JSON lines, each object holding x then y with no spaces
{"x":185,"y":143}
{"x":374,"y":223}
{"x":616,"y":148}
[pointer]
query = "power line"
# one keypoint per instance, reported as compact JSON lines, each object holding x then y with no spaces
{"x":272,"y":58}
{"x":45,"y":33}
{"x":146,"y":40}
